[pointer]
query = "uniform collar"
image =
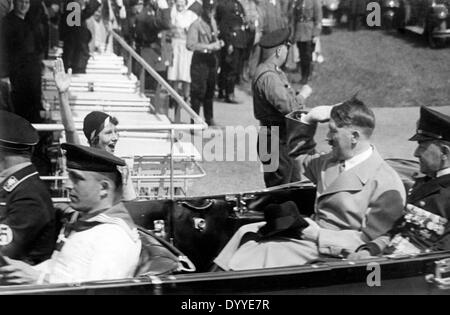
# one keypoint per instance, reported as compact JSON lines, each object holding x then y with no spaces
{"x":9,"y":171}
{"x":16,"y":175}
{"x":428,"y":186}
{"x":118,"y":211}
{"x":117,"y":215}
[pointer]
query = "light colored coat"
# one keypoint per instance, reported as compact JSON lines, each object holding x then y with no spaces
{"x":355,"y":206}
{"x":351,"y":208}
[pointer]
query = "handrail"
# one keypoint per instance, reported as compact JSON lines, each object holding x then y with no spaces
{"x":159,"y":79}
{"x":60,"y":127}
{"x":199,"y":123}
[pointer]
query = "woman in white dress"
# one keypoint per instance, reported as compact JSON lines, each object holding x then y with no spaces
{"x":179,"y":70}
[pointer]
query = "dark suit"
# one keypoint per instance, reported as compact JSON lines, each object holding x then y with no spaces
{"x":76,"y":38}
{"x":27,"y":217}
{"x":230,"y":17}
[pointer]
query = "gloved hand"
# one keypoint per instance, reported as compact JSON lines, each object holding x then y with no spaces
{"x":362,"y":254}
{"x":312,"y":232}
{"x":318,"y":114}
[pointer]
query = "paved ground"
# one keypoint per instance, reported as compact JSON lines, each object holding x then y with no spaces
{"x":393,"y":74}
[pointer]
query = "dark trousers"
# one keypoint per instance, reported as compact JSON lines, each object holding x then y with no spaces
{"x":279,"y":168}
{"x":76,"y":55}
{"x":355,"y":21}
{"x":230,"y":69}
{"x":306,"y":50}
{"x":203,"y":82}
{"x":26,"y":90}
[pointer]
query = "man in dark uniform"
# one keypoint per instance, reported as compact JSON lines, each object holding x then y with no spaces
{"x":307,"y":25}
{"x":134,"y":7}
{"x":76,"y":38}
{"x":273,"y":98}
{"x":230,"y":17}
{"x":150,"y":23}
{"x":203,"y":41}
{"x":27,"y":218}
{"x":23,"y":50}
{"x":425,"y":223}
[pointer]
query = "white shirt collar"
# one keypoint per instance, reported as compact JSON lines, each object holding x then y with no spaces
{"x":358,"y":159}
{"x":443,"y":172}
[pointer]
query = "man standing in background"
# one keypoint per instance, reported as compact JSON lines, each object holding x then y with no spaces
{"x":232,"y":25}
{"x":307,"y":25}
{"x":23,"y":49}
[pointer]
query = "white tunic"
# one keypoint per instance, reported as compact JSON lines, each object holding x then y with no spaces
{"x":103,"y":252}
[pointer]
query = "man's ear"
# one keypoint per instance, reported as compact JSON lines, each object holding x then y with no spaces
{"x":278,"y":51}
{"x":356,"y":135}
{"x":445,"y":149}
{"x":105,"y":187}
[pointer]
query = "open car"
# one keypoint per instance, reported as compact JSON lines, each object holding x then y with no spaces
{"x":199,"y":227}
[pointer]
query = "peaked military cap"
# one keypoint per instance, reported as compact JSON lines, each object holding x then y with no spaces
{"x":432,"y":125}
{"x":16,"y":133}
{"x":275,"y":38}
{"x":85,"y":158}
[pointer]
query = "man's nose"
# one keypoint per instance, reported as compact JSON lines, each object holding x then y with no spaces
{"x":68,"y":185}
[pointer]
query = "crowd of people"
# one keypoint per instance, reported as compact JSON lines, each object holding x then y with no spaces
{"x":361,"y":209}
{"x":159,"y":31}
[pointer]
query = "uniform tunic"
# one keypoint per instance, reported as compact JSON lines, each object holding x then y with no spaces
{"x":307,"y":23}
{"x":429,"y":194}
{"x":27,"y":217}
{"x":273,"y":98}
{"x":109,"y":249}
{"x":149,"y":23}
{"x":230,"y":16}
{"x":274,"y":15}
{"x":203,"y":66}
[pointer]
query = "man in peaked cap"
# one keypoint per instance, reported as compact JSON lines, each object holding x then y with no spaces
{"x":273,"y":98}
{"x":27,"y":217}
{"x":429,"y":197}
{"x":101,"y":242}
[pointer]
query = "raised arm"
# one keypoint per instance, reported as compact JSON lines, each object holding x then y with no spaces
{"x":62,"y":81}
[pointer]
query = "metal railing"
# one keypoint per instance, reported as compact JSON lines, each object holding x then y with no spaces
{"x":198,"y":124}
